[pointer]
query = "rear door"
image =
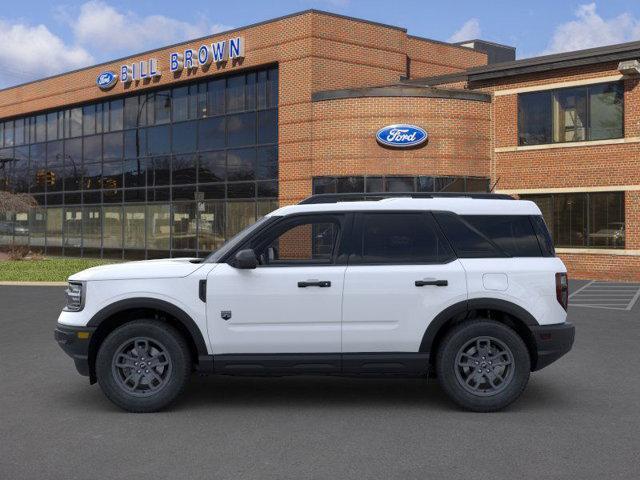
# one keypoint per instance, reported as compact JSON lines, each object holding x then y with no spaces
{"x":401,"y":275}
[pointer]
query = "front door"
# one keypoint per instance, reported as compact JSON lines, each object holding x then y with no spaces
{"x":291,"y":303}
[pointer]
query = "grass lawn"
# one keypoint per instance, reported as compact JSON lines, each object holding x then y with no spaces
{"x":52,"y":269}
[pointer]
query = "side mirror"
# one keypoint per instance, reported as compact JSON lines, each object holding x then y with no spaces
{"x":246,"y":259}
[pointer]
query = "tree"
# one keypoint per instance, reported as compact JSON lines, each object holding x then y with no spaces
{"x":16,"y":202}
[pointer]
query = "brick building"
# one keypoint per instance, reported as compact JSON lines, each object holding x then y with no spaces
{"x":171,"y":151}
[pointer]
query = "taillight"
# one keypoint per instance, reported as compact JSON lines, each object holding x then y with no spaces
{"x":562,"y":289}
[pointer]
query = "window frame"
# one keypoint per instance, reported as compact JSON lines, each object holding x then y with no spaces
{"x":357,"y":238}
{"x":552,"y":93}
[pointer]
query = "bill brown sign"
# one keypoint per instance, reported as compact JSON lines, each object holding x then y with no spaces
{"x":189,"y":59}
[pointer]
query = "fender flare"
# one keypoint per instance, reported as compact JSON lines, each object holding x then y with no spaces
{"x":466,"y":306}
{"x":155,"y":304}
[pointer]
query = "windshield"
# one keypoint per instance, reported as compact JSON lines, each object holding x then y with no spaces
{"x":216,"y":255}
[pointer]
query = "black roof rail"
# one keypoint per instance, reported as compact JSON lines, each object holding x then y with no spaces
{"x":354,"y":197}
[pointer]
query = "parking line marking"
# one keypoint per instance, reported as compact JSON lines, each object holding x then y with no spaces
{"x":634,"y":300}
{"x":582,"y":288}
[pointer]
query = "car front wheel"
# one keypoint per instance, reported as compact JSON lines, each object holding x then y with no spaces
{"x":483,"y":365}
{"x":143,"y":366}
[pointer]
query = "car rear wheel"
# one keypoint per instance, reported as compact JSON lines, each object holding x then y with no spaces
{"x":483,"y":365}
{"x":143,"y":366}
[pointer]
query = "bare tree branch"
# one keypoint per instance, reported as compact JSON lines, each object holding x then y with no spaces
{"x":16,"y":202}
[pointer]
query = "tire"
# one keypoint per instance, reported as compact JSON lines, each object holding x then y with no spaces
{"x":143,"y":366}
{"x":502,"y":360}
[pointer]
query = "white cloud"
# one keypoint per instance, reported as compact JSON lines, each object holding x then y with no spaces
{"x":469,"y":31}
{"x":591,"y":30}
{"x":104,"y":29}
{"x":28,"y":52}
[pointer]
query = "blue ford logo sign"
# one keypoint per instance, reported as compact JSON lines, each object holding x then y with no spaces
{"x":106,"y":80}
{"x":401,"y":136}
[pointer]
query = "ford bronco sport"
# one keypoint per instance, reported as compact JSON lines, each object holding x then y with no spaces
{"x":466,"y":288}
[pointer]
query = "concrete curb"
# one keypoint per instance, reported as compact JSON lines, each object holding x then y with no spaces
{"x":34,"y":284}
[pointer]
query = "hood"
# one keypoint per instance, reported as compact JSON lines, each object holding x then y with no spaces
{"x":152,"y":269}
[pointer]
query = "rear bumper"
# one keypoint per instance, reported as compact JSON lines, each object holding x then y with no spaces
{"x":552,"y":342}
{"x":75,"y":343}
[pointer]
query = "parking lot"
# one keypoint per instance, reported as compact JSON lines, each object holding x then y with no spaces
{"x":578,"y":418}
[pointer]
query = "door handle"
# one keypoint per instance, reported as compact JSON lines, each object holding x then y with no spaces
{"x":436,"y":283}
{"x":314,"y":283}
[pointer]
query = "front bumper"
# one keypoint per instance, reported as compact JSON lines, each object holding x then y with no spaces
{"x":552,"y":342}
{"x":75,"y":343}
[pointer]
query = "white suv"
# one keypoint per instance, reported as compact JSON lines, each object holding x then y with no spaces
{"x":464,"y":288}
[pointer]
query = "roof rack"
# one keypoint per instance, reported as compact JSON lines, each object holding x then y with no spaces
{"x":354,"y":197}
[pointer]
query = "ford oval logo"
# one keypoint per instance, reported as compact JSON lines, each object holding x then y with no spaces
{"x":401,"y":136}
{"x":106,"y":80}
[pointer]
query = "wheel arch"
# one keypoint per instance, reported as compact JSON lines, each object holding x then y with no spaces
{"x":503,"y":311}
{"x":127,"y":310}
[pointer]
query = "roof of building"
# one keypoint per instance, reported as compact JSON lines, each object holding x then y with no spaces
{"x":460,"y":205}
{"x":590,"y":56}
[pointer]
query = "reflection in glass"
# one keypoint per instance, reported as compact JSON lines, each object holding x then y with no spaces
{"x":134,"y":226}
{"x":158,"y":227}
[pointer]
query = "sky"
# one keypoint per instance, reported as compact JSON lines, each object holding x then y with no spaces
{"x":39,"y":38}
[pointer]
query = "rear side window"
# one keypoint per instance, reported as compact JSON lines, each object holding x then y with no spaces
{"x":401,"y":238}
{"x":474,"y":236}
{"x":544,"y":237}
{"x":467,"y":241}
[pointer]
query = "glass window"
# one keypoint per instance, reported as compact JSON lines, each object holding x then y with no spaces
{"x":180,"y":102}
{"x":54,"y":227}
{"x":89,"y":120}
{"x":158,"y":227}
{"x":211,"y":133}
{"x":250,"y":91}
{"x":374,"y":184}
{"x":570,"y":115}
{"x":135,"y":172}
{"x":184,"y":137}
{"x":304,"y":242}
{"x":112,"y":236}
{"x":184,"y":169}
{"x":241,"y":190}
{"x":8,"y":134}
{"x":268,"y":189}
{"x":134,"y":226}
{"x":467,"y":241}
{"x":52,"y":126}
{"x":215,"y":97}
{"x":425,"y":184}
{"x":92,"y":227}
{"x":21,"y":169}
{"x":449,"y":184}
{"x":241,"y":129}
{"x":211,"y":226}
{"x":37,"y":226}
{"x":606,"y":106}
{"x":235,"y":93}
{"x":212,"y":167}
{"x":112,"y":145}
{"x":131,"y":112}
{"x":162,"y":107}
{"x":158,"y":140}
{"x":92,"y":178}
{"x":92,"y":149}
{"x":592,"y":112}
{"x":240,"y":214}
{"x":241,"y":164}
{"x":102,"y":117}
{"x":593,"y":220}
{"x":399,"y":184}
{"x":41,"y":129}
{"x":534,"y":118}
{"x":159,"y":172}
{"x":73,"y":227}
{"x":184,"y":226}
{"x":135,"y":143}
{"x":19,"y":131}
{"x":116,"y":115}
{"x":267,"y":166}
{"x":268,"y":126}
{"x":477,"y":184}
{"x":111,"y":175}
{"x":272,"y":88}
{"x":75,"y":122}
{"x":400,"y":238}
{"x":261,"y":89}
{"x":514,"y":234}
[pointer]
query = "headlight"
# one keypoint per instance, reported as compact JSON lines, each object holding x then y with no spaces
{"x":74,"y":295}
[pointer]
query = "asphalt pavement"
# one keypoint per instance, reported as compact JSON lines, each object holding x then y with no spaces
{"x":578,"y":419}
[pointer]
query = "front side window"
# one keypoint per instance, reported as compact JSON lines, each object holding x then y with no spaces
{"x":396,"y":238}
{"x":308,"y":241}
{"x":593,"y":112}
